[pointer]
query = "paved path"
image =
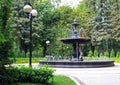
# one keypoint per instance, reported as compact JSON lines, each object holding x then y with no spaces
{"x":93,"y":76}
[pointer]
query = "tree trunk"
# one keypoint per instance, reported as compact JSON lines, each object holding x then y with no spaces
{"x":109,"y":48}
{"x":99,"y":49}
{"x":93,"y":50}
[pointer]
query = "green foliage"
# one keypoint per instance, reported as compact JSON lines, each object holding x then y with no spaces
{"x":57,"y":80}
{"x":53,"y":21}
{"x":82,"y":15}
{"x":101,"y":24}
{"x":96,"y":53}
{"x":20,"y":26}
{"x":40,"y":75}
{"x":105,"y":53}
{"x":5,"y":52}
{"x":26,"y":74}
{"x":47,"y":18}
{"x":105,"y":24}
{"x":5,"y":34}
{"x":116,"y":19}
{"x":2,"y":39}
{"x":90,"y":54}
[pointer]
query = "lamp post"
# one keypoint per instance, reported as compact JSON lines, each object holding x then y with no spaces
{"x":32,"y":13}
{"x":47,"y":42}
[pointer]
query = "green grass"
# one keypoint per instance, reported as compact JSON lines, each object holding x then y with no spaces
{"x":62,"y":80}
{"x":57,"y":80}
{"x":116,"y":59}
{"x":26,"y":60}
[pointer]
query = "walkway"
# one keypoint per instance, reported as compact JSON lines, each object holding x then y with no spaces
{"x":93,"y":76}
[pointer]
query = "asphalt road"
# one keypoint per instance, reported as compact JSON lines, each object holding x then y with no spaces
{"x":93,"y":76}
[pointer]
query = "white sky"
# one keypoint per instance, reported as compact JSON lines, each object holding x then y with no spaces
{"x":71,"y":3}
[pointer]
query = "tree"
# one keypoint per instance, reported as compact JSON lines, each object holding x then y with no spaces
{"x":6,"y":46}
{"x":116,"y":26}
{"x":6,"y":42}
{"x":101,"y":32}
{"x":46,"y":19}
{"x":65,"y":15}
{"x":20,"y":25}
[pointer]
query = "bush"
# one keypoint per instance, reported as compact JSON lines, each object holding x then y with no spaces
{"x":90,"y":54}
{"x":5,"y":52}
{"x":27,"y":74}
{"x":5,"y":77}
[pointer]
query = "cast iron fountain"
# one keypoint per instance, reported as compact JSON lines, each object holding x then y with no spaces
{"x":77,"y":60}
{"x":76,"y":41}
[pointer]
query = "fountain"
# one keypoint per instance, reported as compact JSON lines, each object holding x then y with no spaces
{"x":76,"y":40}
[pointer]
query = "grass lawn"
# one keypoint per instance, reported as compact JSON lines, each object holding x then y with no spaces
{"x":63,"y":80}
{"x":26,"y":60}
{"x":57,"y":80}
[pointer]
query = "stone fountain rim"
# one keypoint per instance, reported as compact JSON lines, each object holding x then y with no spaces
{"x":78,"y":64}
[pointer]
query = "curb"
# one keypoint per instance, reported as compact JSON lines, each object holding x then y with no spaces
{"x":77,"y":81}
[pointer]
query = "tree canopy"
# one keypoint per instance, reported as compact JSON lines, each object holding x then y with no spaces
{"x":99,"y":18}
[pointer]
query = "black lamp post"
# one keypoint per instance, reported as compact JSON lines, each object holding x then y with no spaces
{"x":32,"y":13}
{"x":47,"y":42}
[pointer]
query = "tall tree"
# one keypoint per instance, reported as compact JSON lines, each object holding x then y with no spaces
{"x":20,"y":25}
{"x":5,"y":31}
{"x":116,"y":26}
{"x":47,"y":19}
{"x":102,"y":29}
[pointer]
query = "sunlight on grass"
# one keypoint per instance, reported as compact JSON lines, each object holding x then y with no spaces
{"x":62,"y":80}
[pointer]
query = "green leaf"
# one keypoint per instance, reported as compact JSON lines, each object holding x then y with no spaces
{"x":2,"y":39}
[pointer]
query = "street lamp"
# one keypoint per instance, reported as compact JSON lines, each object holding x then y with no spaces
{"x":32,"y":13}
{"x":47,"y":43}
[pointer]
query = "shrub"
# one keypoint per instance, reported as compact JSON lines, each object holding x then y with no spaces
{"x":90,"y":54}
{"x":96,"y":53}
{"x":5,"y":76}
{"x":26,"y":74}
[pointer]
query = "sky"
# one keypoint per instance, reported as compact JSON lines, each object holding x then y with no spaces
{"x":71,"y":3}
